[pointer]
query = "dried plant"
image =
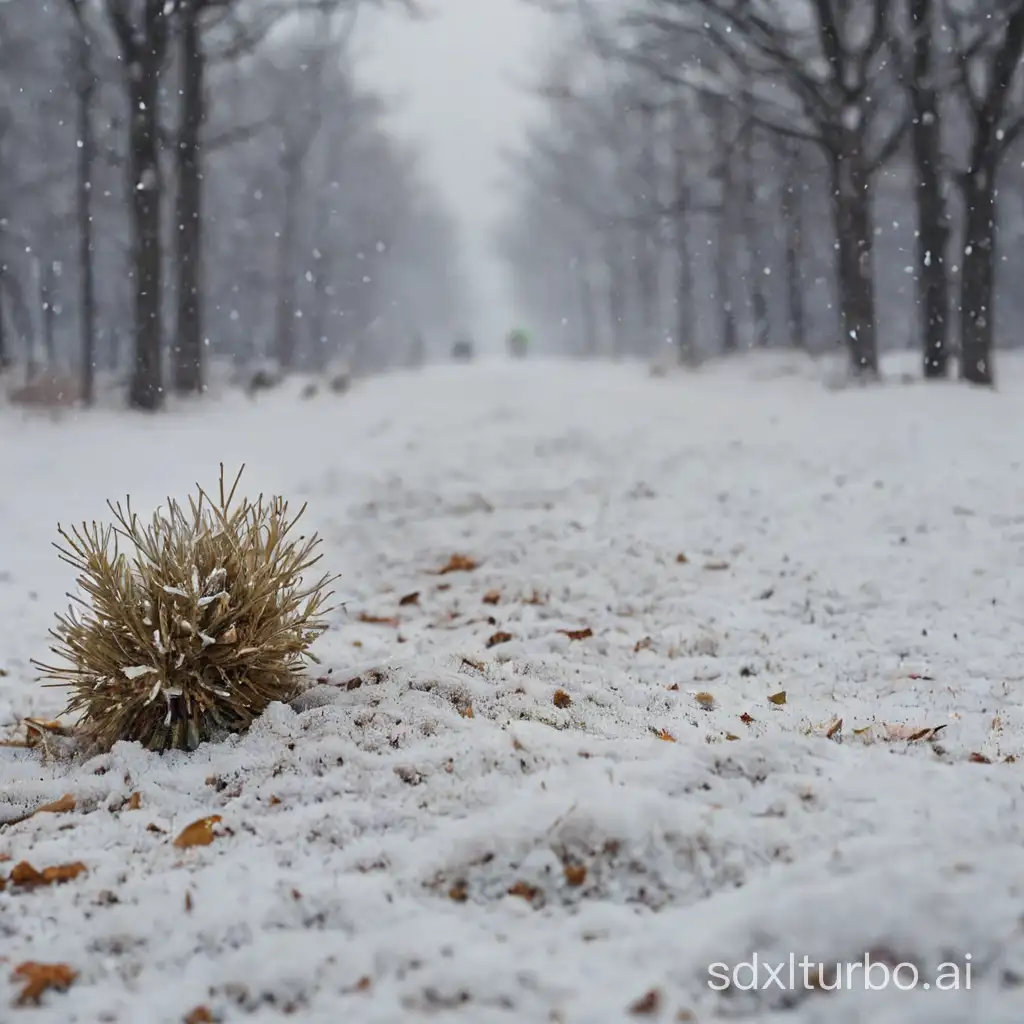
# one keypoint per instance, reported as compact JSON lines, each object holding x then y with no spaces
{"x":197,"y":630}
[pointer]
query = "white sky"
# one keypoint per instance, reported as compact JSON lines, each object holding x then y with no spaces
{"x":458,"y":80}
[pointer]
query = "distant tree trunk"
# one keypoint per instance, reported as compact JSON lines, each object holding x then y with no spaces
{"x":285,"y":278}
{"x":616,"y":296}
{"x":932,"y":213}
{"x":188,"y":342}
{"x":977,"y":276}
{"x":47,"y":299}
{"x":725,"y":250}
{"x":793,"y":224}
{"x":751,"y":230}
{"x":86,"y":84}
{"x":685,"y":325}
{"x":588,"y":311}
{"x":852,"y":215}
{"x":646,"y":249}
{"x":5,"y":357}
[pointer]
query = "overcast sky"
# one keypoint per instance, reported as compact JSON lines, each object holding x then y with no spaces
{"x":455,"y":77}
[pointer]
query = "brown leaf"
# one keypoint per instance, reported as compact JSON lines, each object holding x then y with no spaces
{"x":525,"y":890}
{"x":500,"y":637}
{"x":575,"y":874}
{"x":364,"y":984}
{"x":28,"y":877}
{"x":467,"y":711}
{"x":705,"y":700}
{"x":746,"y":719}
{"x":134,"y":802}
{"x":40,"y":978}
{"x":535,"y":598}
{"x":681,"y":559}
{"x":977,"y":758}
{"x":458,"y":563}
{"x":778,"y":698}
{"x":834,"y":728}
{"x":643,"y":644}
{"x":674,"y":687}
{"x":562,"y":699}
{"x":188,"y":901}
{"x":492,"y":597}
{"x":577,"y":634}
{"x":377,"y":620}
{"x":647,"y":1005}
{"x":910,"y":733}
{"x":199,"y":1015}
{"x":413,"y":598}
{"x":458,"y":892}
{"x":199,"y":833}
{"x":664,"y":734}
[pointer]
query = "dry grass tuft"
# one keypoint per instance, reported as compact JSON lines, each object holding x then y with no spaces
{"x":194,"y":632}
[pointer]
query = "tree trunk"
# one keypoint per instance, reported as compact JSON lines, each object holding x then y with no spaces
{"x":616,"y":298}
{"x":751,"y":247}
{"x":47,"y":312}
{"x":977,"y":277}
{"x":5,"y":358}
{"x":852,"y":215}
{"x":725,"y":250}
{"x":685,"y":326}
{"x":144,"y":182}
{"x":284,"y":332}
{"x":588,"y":313}
{"x":188,"y":342}
{"x":86,"y":269}
{"x":932,"y":213}
{"x":793,"y":224}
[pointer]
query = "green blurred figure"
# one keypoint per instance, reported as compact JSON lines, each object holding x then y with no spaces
{"x":518,"y":343}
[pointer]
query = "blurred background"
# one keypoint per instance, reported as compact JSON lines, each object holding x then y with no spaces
{"x":203,"y":189}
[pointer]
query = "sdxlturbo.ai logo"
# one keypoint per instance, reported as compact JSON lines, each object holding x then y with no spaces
{"x":870,"y":974}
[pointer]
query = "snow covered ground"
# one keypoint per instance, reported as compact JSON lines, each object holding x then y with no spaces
{"x":550,"y":828}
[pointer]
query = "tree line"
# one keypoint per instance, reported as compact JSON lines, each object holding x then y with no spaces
{"x":727,"y":173}
{"x":184,"y":180}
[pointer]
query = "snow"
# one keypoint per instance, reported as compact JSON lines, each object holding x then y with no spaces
{"x":859,"y":550}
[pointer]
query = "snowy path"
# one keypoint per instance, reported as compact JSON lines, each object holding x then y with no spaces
{"x":861,"y":552}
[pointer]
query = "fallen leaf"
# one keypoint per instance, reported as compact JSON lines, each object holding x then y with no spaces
{"x":674,"y":687}
{"x":364,"y":984}
{"x":977,"y":758}
{"x":458,"y":563}
{"x":577,"y":634}
{"x":834,"y":728}
{"x":664,"y":734}
{"x":40,"y":978}
{"x":134,"y":802}
{"x":536,"y":598}
{"x":499,"y":638}
{"x":492,"y":597}
{"x":562,"y":699}
{"x":643,"y":645}
{"x":199,"y":1015}
{"x":746,"y":719}
{"x":731,"y":736}
{"x":917,"y":675}
{"x":524,"y":890}
{"x":575,"y":874}
{"x":705,"y":700}
{"x":910,"y":733}
{"x":716,"y":565}
{"x":681,"y":559}
{"x":778,"y":698}
{"x":413,"y":598}
{"x":479,"y":666}
{"x":647,"y":1005}
{"x":458,"y":892}
{"x":467,"y":711}
{"x":199,"y":833}
{"x":188,"y":901}
{"x":28,"y":877}
{"x":274,"y":800}
{"x":377,"y":620}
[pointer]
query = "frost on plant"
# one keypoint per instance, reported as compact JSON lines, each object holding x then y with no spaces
{"x":189,"y":625}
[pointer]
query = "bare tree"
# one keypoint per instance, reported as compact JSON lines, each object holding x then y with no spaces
{"x":989,"y":50}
